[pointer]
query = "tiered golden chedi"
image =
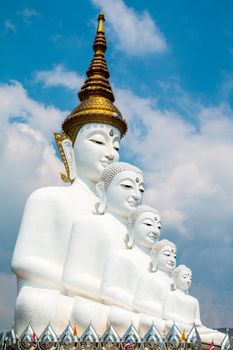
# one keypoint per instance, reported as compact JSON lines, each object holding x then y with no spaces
{"x":96,"y":94}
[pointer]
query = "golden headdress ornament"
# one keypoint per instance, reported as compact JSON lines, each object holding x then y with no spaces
{"x":96,"y":94}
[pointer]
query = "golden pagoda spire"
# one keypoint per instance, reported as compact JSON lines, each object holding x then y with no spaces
{"x":97,"y":82}
{"x":96,"y":94}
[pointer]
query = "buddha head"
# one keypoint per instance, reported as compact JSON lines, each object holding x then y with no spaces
{"x":120,"y":189}
{"x":144,"y":227}
{"x":182,"y":278}
{"x":96,"y":146}
{"x":163,"y":256}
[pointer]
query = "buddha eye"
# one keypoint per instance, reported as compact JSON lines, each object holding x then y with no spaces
{"x":126,"y":186}
{"x":116,"y":145}
{"x":147,"y":224}
{"x":141,"y":190}
{"x":98,"y":142}
{"x":167,"y":254}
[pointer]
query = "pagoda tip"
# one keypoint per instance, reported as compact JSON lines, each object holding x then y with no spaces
{"x":101,"y":19}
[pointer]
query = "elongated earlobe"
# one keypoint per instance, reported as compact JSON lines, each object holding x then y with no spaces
{"x":173,"y":286}
{"x":101,"y":208}
{"x":130,"y":237}
{"x":100,"y":191}
{"x":153,"y":261}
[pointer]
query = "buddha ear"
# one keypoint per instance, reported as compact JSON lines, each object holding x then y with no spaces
{"x":130,"y":236}
{"x":100,"y":190}
{"x":153,"y":260}
{"x":173,"y":286}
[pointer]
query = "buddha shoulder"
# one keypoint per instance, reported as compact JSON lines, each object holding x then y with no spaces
{"x":48,"y":196}
{"x":192,"y":300}
{"x":181,"y":297}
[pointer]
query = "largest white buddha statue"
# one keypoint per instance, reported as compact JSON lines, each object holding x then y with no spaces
{"x":95,"y":128}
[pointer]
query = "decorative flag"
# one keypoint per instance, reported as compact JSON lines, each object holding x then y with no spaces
{"x":212,"y":345}
{"x":75,"y":330}
{"x":128,"y":344}
{"x":164,"y":331}
{"x":183,"y":336}
{"x":33,"y":338}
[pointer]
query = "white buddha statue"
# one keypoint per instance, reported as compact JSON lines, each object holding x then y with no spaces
{"x":97,"y":237}
{"x":153,"y":286}
{"x":123,"y":268}
{"x":183,"y":309}
{"x":94,"y":128}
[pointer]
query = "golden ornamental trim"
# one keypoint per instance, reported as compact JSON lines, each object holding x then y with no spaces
{"x":59,"y":138}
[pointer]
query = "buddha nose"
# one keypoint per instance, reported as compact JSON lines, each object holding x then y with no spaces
{"x":110,"y":153}
{"x":136,"y":194}
{"x":173,"y":260}
{"x":110,"y":156}
{"x":156,"y":231}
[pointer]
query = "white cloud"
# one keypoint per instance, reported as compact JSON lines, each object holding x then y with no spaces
{"x":28,"y":13}
{"x":59,"y":76}
{"x":186,"y":163}
{"x":9,"y":27}
{"x":27,"y":130}
{"x":135,"y":33}
{"x":17,"y":105}
{"x":28,"y":160}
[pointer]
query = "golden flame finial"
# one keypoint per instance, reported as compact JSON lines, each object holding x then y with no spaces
{"x":101,"y":19}
{"x":96,"y":94}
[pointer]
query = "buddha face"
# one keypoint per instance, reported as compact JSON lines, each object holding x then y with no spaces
{"x":96,"y":146}
{"x":166,"y":259}
{"x":124,"y":193}
{"x":183,"y":280}
{"x":146,"y":230}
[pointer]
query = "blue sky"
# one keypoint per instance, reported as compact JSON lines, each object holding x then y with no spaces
{"x":171,"y":66}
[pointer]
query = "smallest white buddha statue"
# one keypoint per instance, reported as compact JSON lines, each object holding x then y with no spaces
{"x":153,"y":286}
{"x":183,"y":309}
{"x":124,"y":267}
